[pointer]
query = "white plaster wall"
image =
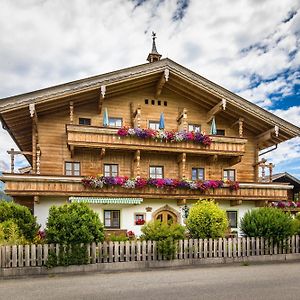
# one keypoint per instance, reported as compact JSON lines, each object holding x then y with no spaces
{"x":127,"y":212}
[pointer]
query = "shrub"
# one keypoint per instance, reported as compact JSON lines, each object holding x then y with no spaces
{"x":267,"y":222}
{"x":73,"y":224}
{"x":206,"y":220}
{"x":21,"y":216}
{"x":296,"y":224}
{"x":165,"y":235}
{"x":10,"y":234}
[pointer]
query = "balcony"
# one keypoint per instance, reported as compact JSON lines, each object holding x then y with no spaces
{"x":99,"y":137}
{"x":40,"y":185}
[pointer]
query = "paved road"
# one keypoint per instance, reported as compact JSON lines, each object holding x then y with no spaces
{"x":272,"y":281}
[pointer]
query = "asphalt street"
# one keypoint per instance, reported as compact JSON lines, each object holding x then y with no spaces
{"x":268,"y":281}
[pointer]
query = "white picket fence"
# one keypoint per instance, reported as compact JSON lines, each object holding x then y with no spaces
{"x":37,"y":255}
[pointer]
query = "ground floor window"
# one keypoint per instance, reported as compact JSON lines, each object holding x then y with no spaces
{"x":232,"y":218}
{"x":112,"y":219}
{"x":139,"y":219}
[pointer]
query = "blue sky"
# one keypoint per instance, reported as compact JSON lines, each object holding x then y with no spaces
{"x":250,"y":47}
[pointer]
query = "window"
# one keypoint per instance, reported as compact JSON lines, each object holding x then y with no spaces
{"x":220,"y":132}
{"x":154,"y":125}
{"x":156,"y":172}
{"x":232,"y":218}
{"x":194,"y":127}
{"x":158,"y":102}
{"x":197,"y":173}
{"x":72,"y":168}
{"x":111,"y":170}
{"x":146,"y":101}
{"x":139,"y":219}
{"x":112,"y":219}
{"x":84,"y":121}
{"x":229,"y":174}
{"x":115,"y":122}
{"x":297,"y":196}
{"x":153,"y":102}
{"x":165,"y":103}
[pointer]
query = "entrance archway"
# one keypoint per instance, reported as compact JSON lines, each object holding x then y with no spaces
{"x":167,"y":214}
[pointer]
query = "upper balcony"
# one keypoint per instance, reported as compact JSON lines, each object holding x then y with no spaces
{"x":100,"y":137}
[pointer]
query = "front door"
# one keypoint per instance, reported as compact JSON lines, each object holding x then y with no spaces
{"x":166,"y":216}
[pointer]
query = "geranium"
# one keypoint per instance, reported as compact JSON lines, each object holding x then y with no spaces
{"x":162,"y":183}
{"x":164,"y":135}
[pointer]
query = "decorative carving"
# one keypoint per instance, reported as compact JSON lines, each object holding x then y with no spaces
{"x":71,"y":112}
{"x":103,"y":90}
{"x":31,"y":109}
{"x":167,"y":74}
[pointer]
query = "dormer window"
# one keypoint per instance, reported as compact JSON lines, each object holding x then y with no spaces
{"x":154,"y":125}
{"x":84,"y":121}
{"x":115,"y":122}
{"x":221,"y":132}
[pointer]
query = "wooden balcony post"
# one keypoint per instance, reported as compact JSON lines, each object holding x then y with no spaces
{"x":136,"y":169}
{"x":38,"y":159}
{"x":137,"y":117}
{"x":182,"y":165}
{"x":182,"y":120}
{"x":102,"y":154}
{"x":12,"y":160}
{"x":33,"y":115}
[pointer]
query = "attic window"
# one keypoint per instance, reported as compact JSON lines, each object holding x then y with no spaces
{"x":146,"y":101}
{"x":84,"y":121}
{"x":153,"y":102}
{"x":158,"y":102}
{"x":165,"y":103}
{"x":220,"y":132}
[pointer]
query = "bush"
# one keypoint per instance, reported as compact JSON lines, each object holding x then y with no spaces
{"x":73,"y":224}
{"x":21,"y":216}
{"x":10,"y":234}
{"x":206,"y":220}
{"x":268,"y":222}
{"x":296,"y":224}
{"x":165,"y":235}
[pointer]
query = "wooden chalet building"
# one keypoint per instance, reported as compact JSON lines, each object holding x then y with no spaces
{"x":72,"y":131}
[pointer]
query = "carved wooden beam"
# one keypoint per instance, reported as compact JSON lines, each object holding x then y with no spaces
{"x":36,"y":199}
{"x":38,"y":159}
{"x":71,"y":112}
{"x":235,"y":202}
{"x":164,"y":78}
{"x":102,"y":153}
{"x":216,"y":109}
{"x":137,"y":117}
{"x":33,"y":115}
{"x":72,"y":151}
{"x":101,"y":98}
{"x":261,"y":203}
{"x":212,"y":158}
{"x":181,"y":202}
{"x":267,"y":135}
{"x":182,"y":120}
{"x":136,"y":164}
{"x":235,"y":160}
{"x":240,"y":123}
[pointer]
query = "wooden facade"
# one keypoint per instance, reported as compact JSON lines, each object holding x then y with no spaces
{"x":63,"y":127}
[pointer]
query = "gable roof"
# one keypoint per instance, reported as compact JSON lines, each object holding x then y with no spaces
{"x":287,"y":177}
{"x":182,"y":81}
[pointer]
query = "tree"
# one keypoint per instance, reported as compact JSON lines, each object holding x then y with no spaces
{"x":73,"y":224}
{"x":268,"y":222}
{"x":206,"y":220}
{"x":21,"y":216}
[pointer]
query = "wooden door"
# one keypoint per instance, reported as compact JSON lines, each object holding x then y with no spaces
{"x":166,"y":216}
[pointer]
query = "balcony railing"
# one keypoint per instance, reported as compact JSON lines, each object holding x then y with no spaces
{"x":99,"y":137}
{"x":39,"y":185}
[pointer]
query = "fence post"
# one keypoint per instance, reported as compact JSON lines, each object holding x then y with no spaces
{"x":297,"y":244}
{"x":180,"y":249}
{"x":45,"y":252}
{"x":234,"y":244}
{"x":150,"y":250}
{"x":205,"y":248}
{"x":262,"y":246}
{"x":248,"y":246}
{"x":33,"y":255}
{"x":210,"y":247}
{"x":224,"y":247}
{"x":144,"y":250}
{"x":14,"y":257}
{"x":229,"y":247}
{"x":105,"y":252}
{"x":185,"y":249}
{"x":220,"y":248}
{"x":39,"y":255}
{"x":93,"y":253}
{"x":196,"y":253}
{"x":154,"y":245}
{"x":133,"y":258}
{"x":191,"y":248}
{"x":111,"y":252}
{"x":127,"y":251}
{"x":121,"y":251}
{"x":138,"y":250}
{"x":239,"y":248}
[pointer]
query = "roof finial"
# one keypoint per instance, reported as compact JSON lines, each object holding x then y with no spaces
{"x":153,"y":55}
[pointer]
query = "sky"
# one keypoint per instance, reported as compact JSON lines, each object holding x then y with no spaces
{"x":250,"y":47}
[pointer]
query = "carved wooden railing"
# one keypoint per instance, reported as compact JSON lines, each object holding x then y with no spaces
{"x":99,"y":137}
{"x":39,"y":185}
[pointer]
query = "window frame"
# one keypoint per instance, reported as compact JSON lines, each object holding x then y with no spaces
{"x":218,"y":132}
{"x":194,"y":125}
{"x":236,"y":218}
{"x":83,"y":118}
{"x":197,"y":173}
{"x":143,"y":215}
{"x":72,"y":168}
{"x":110,"y":170}
{"x":162,"y":172}
{"x":111,"y":218}
{"x":150,"y":122}
{"x":115,"y":118}
{"x":227,"y":171}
